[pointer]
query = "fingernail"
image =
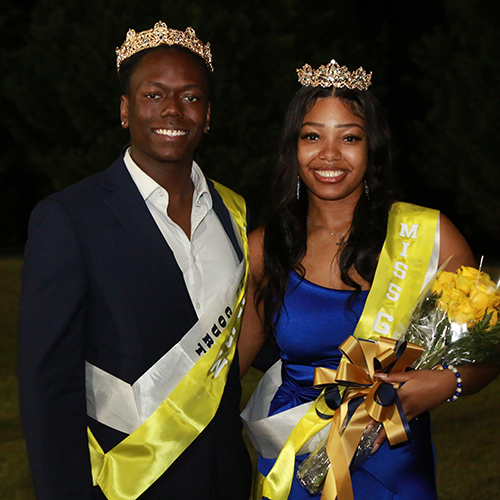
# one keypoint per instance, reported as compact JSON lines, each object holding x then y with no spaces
{"x":369,"y":427}
{"x":380,"y":375}
{"x":375,"y":448}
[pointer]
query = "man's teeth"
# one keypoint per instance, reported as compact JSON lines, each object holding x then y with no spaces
{"x":170,"y":133}
{"x":329,"y":173}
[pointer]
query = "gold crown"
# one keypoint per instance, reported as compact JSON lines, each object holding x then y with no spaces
{"x":333,"y":75}
{"x":159,"y":35}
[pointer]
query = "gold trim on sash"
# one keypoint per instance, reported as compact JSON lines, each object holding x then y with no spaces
{"x":133,"y":465}
{"x":398,"y":280}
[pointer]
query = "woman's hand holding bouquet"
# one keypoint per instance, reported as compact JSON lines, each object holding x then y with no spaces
{"x":456,"y":322}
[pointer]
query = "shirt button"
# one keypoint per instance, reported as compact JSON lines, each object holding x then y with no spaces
{"x":161,"y":193}
{"x":198,"y":305}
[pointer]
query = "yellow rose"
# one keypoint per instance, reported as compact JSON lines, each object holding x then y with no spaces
{"x":467,"y":295}
{"x":494,"y":319}
{"x":484,"y":297}
{"x":443,"y":278}
{"x":463,"y":284}
{"x":470,"y":273}
{"x":461,"y":311}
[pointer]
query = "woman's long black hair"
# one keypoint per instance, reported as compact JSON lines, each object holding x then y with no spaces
{"x":285,"y":239}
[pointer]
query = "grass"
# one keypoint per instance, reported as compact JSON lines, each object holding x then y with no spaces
{"x":466,"y":433}
{"x":15,"y":482}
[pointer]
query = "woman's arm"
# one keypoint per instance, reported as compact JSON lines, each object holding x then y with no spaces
{"x":453,"y":245}
{"x":252,"y":336}
{"x":424,"y":390}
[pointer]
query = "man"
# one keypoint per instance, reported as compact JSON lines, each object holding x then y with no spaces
{"x":132,"y":291}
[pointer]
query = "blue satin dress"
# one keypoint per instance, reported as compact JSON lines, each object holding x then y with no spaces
{"x":313,"y":324}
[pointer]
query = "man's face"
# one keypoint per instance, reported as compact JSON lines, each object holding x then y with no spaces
{"x":166,"y":110}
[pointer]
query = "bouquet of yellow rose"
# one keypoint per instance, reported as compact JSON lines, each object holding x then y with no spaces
{"x":457,"y":321}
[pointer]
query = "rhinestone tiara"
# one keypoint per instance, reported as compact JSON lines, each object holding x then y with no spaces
{"x":159,"y":35}
{"x":334,"y":75}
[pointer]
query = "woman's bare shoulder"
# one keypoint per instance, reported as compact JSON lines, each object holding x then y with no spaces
{"x":453,"y":245}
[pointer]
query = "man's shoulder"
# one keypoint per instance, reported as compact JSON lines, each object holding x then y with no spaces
{"x":82,"y":200}
{"x":90,"y":188}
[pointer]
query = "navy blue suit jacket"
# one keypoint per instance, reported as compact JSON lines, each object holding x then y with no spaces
{"x":101,"y":284}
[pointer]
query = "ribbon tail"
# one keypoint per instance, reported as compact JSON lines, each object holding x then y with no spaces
{"x":278,"y":483}
{"x":396,"y":426}
{"x":337,"y":483}
{"x":97,"y":457}
{"x":341,"y":448}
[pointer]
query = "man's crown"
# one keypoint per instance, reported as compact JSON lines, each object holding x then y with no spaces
{"x":159,"y":35}
{"x":333,"y":75}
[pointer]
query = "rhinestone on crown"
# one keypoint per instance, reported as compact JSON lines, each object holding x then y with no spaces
{"x":334,"y":75}
{"x":159,"y":35}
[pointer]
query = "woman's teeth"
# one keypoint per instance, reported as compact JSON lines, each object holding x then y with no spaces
{"x":329,"y":173}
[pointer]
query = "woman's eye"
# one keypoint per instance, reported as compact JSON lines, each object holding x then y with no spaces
{"x":353,"y":138}
{"x":309,"y":136}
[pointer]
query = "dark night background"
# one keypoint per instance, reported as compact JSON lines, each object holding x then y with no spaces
{"x":435,"y":69}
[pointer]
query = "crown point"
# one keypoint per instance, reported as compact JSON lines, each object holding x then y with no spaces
{"x":333,"y":75}
{"x":161,"y":34}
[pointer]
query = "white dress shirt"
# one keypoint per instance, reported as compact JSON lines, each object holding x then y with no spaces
{"x":207,"y":259}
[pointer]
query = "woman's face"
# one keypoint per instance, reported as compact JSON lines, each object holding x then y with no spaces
{"x":332,"y":151}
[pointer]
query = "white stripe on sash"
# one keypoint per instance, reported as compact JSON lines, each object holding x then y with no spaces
{"x":268,"y":434}
{"x":125,"y":407}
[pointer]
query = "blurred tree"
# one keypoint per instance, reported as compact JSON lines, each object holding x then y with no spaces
{"x":15,"y":178}
{"x":62,"y":95}
{"x":59,"y":93}
{"x":456,"y":142}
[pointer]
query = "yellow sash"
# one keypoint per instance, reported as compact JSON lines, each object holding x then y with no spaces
{"x":396,"y":287}
{"x":132,"y":466}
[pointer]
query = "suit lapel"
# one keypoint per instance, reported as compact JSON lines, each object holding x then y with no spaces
{"x":225,"y":218}
{"x":125,"y":201}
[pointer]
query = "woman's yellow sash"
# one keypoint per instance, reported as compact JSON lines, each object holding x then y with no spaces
{"x":399,"y":278}
{"x":127,"y":470}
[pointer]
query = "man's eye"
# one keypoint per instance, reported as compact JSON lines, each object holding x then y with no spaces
{"x":191,"y":98}
{"x":152,"y":96}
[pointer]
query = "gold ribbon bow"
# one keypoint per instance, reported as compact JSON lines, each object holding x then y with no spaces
{"x":363,"y":359}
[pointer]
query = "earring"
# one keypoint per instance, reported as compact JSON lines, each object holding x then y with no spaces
{"x":298,"y":187}
{"x":123,"y":123}
{"x":367,"y":190}
{"x":207,"y":129}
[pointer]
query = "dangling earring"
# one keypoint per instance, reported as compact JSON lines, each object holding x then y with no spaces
{"x":207,"y":129}
{"x":298,"y":187}
{"x":367,"y":190}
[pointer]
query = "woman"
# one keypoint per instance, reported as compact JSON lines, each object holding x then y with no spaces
{"x":313,"y":266}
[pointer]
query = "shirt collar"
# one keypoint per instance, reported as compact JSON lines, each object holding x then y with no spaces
{"x":147,"y":186}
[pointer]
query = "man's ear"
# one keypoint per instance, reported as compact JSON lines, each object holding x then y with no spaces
{"x":124,"y":111}
{"x":207,"y":121}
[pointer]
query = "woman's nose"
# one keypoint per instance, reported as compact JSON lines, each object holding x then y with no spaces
{"x":330,"y":151}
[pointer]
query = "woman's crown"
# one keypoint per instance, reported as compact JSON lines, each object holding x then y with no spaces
{"x":334,"y":75}
{"x":159,"y":35}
